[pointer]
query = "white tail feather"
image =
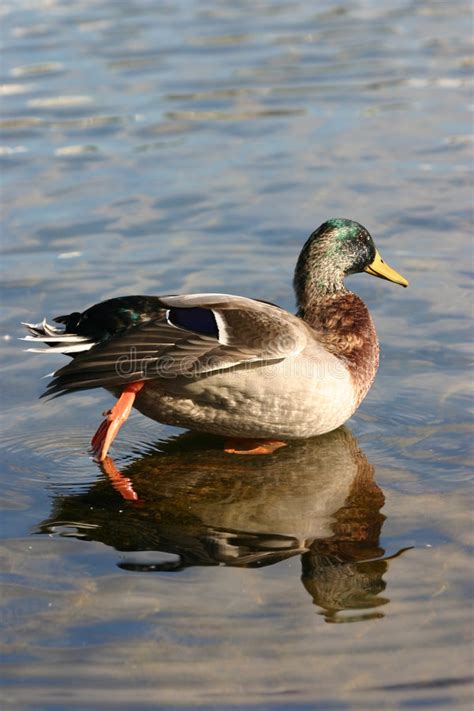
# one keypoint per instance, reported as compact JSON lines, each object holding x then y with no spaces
{"x":58,"y":349}
{"x":58,"y":340}
{"x":43,"y":327}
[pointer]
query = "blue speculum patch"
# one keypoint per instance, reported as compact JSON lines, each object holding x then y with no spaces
{"x":195,"y":319}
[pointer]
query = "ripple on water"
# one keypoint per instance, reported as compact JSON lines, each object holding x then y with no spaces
{"x":44,"y":457}
{"x":34,"y":70}
{"x":57,"y":453}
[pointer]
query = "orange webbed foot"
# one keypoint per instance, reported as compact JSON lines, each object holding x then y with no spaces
{"x":114,"y":419}
{"x":252,"y":446}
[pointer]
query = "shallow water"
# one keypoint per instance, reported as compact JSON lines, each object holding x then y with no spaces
{"x":152,"y":147}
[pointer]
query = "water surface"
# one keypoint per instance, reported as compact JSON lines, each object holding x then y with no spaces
{"x":165,"y":147}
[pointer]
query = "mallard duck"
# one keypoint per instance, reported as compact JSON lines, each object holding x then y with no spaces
{"x":230,"y":365}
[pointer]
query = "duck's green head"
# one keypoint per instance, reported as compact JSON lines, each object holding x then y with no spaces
{"x":338,"y":247}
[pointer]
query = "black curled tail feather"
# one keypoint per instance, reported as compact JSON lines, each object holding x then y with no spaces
{"x":70,"y":321}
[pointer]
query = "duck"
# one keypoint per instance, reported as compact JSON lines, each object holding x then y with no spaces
{"x":229,"y":365}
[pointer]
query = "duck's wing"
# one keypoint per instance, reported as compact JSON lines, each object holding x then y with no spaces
{"x":191,"y":335}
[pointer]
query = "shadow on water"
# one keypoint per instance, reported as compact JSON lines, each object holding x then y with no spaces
{"x":192,"y":504}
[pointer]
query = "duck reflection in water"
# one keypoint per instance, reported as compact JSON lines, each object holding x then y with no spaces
{"x":315,"y":498}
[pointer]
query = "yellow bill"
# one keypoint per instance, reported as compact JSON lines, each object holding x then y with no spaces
{"x":378,"y":268}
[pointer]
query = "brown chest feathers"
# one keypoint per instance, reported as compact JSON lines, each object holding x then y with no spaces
{"x":345,"y":328}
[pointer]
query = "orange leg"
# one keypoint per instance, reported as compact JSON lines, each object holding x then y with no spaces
{"x":253,"y":446}
{"x":114,"y":420}
{"x":121,"y":484}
